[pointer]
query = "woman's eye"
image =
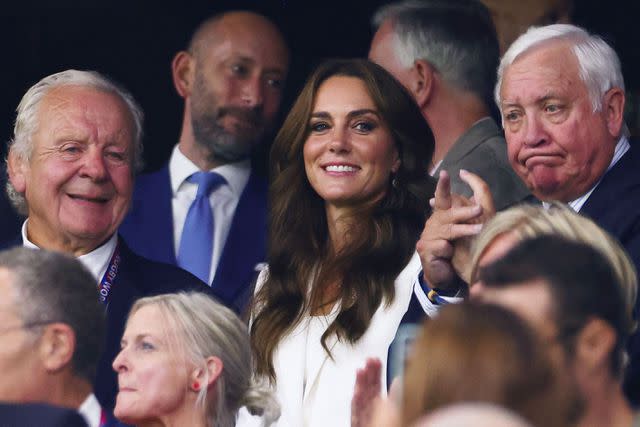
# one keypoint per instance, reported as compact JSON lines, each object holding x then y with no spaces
{"x":365,"y":126}
{"x":146,"y":345}
{"x":319,"y":127}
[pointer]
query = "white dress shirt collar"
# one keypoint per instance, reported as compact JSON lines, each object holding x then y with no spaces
{"x":181,"y":168}
{"x":95,"y":261}
{"x":91,"y":411}
{"x":622,"y":146}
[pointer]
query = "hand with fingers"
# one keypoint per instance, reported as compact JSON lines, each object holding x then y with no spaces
{"x":366,"y":391}
{"x":444,"y":244}
{"x":481,"y":197}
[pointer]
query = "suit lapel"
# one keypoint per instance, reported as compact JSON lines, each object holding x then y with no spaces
{"x":484,"y":129}
{"x":150,"y":222}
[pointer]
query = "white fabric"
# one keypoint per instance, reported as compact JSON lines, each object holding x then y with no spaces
{"x":622,"y":146}
{"x":223,"y":199}
{"x":314,"y":390}
{"x":91,"y":411}
{"x":96,"y":261}
{"x":431,"y":309}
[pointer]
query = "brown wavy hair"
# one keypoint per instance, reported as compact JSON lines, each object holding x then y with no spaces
{"x":381,"y":237}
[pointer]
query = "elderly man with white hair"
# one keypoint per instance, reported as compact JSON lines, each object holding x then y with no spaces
{"x":77,"y":142}
{"x":561,"y":94}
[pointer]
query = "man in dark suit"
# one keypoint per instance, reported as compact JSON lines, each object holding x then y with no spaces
{"x":51,"y":334}
{"x":77,"y":142}
{"x":561,"y":94}
{"x":445,"y":52}
{"x":231,"y":79}
{"x":38,"y":415}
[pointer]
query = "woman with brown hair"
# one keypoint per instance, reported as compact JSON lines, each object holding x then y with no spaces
{"x":349,"y":198}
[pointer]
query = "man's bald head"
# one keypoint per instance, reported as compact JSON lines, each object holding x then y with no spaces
{"x":231,"y":78}
{"x":219,"y":27}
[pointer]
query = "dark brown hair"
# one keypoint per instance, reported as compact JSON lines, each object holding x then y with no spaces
{"x":381,"y":239}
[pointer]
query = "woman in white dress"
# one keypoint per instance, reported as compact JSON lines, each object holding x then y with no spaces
{"x":349,"y":198}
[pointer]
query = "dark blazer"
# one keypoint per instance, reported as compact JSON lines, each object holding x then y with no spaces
{"x":148,"y":229}
{"x":483,"y":151}
{"x":615,"y":206}
{"x":137,"y":277}
{"x":38,"y":415}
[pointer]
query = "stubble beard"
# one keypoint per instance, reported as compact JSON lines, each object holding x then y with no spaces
{"x":220,"y":143}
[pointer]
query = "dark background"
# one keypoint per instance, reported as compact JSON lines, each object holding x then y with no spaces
{"x":134,"y":42}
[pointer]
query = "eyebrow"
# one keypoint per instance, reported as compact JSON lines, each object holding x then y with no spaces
{"x":540,"y":100}
{"x":350,"y":115}
{"x":252,"y":61}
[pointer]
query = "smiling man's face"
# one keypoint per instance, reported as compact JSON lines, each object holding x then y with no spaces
{"x":78,"y":180}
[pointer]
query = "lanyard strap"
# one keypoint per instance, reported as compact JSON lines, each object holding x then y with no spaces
{"x":105,"y":285}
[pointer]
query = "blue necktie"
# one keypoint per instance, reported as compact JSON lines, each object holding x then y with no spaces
{"x":196,"y":243}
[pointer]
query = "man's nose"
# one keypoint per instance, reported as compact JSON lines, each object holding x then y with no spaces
{"x":253,"y":92}
{"x":94,"y":165}
{"x":535,"y":133}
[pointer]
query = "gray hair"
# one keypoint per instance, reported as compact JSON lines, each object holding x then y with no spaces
{"x":529,"y":221}
{"x":457,"y":37}
{"x":27,"y":119}
{"x":205,"y":328}
{"x":51,"y":287}
{"x":599,"y":65}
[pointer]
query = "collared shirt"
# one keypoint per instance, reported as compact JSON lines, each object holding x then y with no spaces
{"x":91,"y":411}
{"x":223,"y":199}
{"x":621,"y":148}
{"x":95,"y":261}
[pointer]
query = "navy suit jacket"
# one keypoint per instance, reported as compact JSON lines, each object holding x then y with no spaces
{"x":38,"y":415}
{"x":148,"y":229}
{"x":615,"y":206}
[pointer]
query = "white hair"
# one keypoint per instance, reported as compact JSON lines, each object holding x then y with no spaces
{"x":27,"y":119}
{"x":205,"y":328}
{"x":599,"y":65}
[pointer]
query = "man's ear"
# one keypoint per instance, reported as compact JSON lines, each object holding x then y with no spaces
{"x":57,"y":345}
{"x":594,"y":344}
{"x":613,"y":106}
{"x":17,"y":169}
{"x":422,"y":82}
{"x":183,"y":71}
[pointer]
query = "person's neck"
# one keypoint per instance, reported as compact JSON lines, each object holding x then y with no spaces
{"x":200,"y":156}
{"x":606,"y":407}
{"x":68,"y":391}
{"x":450,"y":116}
{"x":43,"y":239}
{"x":182,"y":417}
